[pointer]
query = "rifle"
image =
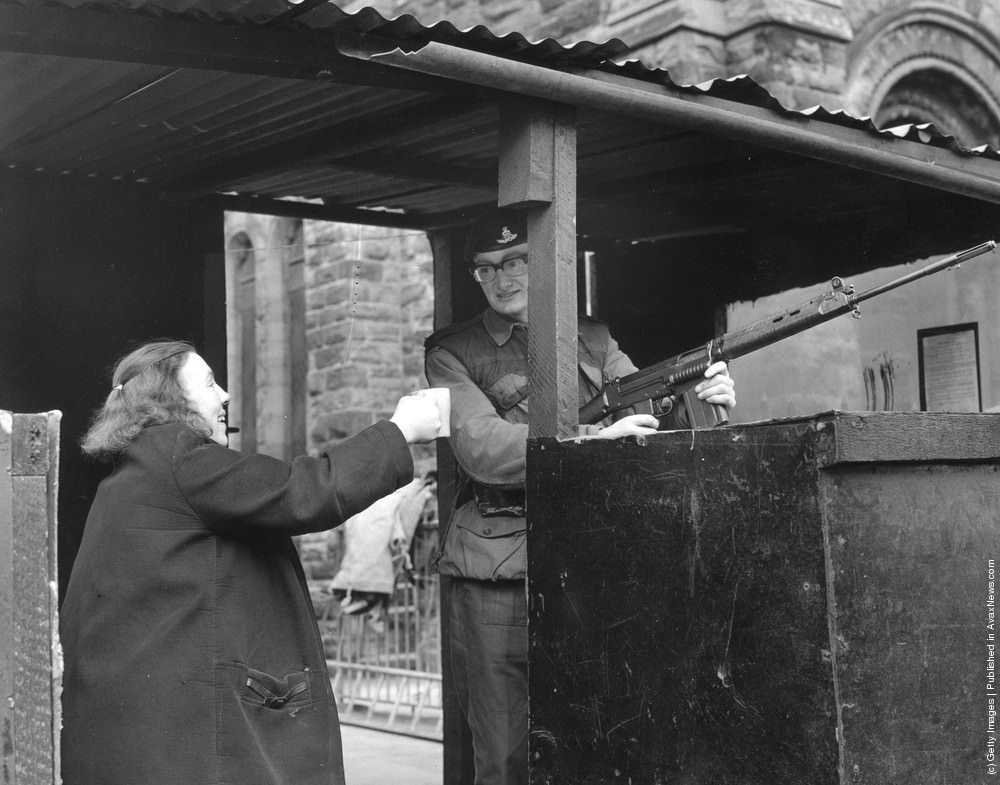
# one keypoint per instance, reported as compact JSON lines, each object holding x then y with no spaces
{"x":665,"y":383}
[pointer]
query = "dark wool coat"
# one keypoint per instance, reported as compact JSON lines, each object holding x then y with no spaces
{"x":192,"y":653}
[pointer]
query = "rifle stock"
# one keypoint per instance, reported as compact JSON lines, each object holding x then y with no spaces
{"x":671,"y":381}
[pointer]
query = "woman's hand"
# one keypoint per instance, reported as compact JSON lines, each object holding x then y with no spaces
{"x":417,"y":416}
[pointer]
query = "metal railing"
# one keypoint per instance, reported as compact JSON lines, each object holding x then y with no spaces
{"x":385,"y":663}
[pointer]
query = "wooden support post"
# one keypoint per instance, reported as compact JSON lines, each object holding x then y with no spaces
{"x":30,"y":659}
{"x":538,"y":172}
{"x":458,"y":764}
{"x":446,"y":260}
{"x":6,"y":594}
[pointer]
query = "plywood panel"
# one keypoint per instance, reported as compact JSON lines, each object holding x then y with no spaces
{"x":30,"y":664}
{"x":908,"y":549}
{"x":678,"y":612}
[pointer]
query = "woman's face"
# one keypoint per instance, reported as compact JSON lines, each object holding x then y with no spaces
{"x":206,"y":397}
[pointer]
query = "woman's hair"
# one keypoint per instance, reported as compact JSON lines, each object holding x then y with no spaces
{"x":145,"y":391}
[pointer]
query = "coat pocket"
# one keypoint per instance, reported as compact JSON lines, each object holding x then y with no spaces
{"x":488,"y":548}
{"x":276,"y":729}
{"x":265,"y":690}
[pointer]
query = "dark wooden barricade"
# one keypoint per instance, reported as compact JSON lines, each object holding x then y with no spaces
{"x":796,"y":602}
{"x":30,"y":661}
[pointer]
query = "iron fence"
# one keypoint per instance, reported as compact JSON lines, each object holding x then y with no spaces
{"x":385,"y":662}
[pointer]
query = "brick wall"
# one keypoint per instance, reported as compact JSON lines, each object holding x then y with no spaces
{"x":369,"y":307}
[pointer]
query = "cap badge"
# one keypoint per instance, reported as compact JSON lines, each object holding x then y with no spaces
{"x":506,"y":236}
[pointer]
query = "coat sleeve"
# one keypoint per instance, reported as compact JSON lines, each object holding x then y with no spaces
{"x":236,"y":493}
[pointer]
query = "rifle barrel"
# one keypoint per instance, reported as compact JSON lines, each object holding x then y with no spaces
{"x":666,"y":377}
{"x":941,"y":264}
{"x":822,"y":308}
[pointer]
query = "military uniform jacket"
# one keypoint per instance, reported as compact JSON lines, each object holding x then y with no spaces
{"x":484,"y":362}
{"x":192,"y":654}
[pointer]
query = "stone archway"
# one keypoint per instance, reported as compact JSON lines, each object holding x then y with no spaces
{"x":935,"y":95}
{"x":927,"y":65}
{"x":266,"y":333}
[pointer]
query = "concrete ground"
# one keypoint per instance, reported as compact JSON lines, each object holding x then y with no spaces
{"x":374,"y":757}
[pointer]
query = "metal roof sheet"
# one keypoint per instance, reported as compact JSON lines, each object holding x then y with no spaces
{"x":312,"y":16}
{"x":319,"y":16}
{"x":270,"y":100}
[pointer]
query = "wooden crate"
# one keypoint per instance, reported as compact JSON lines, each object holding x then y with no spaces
{"x":788,"y":602}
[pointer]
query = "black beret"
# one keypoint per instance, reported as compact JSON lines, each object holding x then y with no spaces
{"x":495,"y":230}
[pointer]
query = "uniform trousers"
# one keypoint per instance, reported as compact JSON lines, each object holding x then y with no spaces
{"x":489,"y":664}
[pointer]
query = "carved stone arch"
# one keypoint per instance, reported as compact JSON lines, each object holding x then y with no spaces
{"x":290,"y":233}
{"x":239,"y":244}
{"x":927,"y":64}
{"x":241,"y":326}
{"x":934,"y":92}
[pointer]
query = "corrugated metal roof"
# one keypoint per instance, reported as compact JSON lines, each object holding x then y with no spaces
{"x":409,"y":32}
{"x":256,"y":98}
{"x":328,"y":17}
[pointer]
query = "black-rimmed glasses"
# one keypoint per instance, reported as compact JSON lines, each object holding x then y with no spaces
{"x":515,"y":266}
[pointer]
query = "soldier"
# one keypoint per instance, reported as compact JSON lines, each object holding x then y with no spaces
{"x":484,"y":363}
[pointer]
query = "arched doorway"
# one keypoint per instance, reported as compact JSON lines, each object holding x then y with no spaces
{"x":927,"y":65}
{"x":933,"y":95}
{"x":242,"y":328}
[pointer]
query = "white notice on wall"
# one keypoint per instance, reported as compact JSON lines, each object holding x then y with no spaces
{"x":950,"y":370}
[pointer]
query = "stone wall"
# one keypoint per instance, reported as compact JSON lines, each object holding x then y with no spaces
{"x":369,"y":306}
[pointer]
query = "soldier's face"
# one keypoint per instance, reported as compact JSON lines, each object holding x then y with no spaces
{"x":506,"y":294}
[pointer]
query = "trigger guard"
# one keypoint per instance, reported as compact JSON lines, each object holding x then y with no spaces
{"x":664,"y":406}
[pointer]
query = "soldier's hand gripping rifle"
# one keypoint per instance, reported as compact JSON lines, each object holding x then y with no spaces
{"x":670,"y":381}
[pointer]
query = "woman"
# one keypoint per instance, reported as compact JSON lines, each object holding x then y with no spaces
{"x":192,"y":654}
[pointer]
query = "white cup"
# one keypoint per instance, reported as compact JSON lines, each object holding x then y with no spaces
{"x":442,"y":398}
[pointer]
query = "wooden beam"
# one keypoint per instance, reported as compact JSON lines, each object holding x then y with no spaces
{"x":536,"y":150}
{"x":7,"y":600}
{"x":421,"y":170}
{"x":526,"y":135}
{"x":128,"y":36}
{"x":424,"y":222}
{"x":925,"y":164}
{"x":319,"y":212}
